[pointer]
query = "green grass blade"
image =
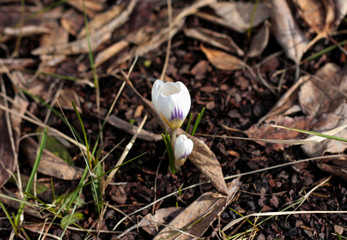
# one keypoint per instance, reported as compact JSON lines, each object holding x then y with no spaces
{"x":198,"y":121}
{"x":313,"y":133}
{"x":32,"y":175}
{"x":9,"y":217}
{"x":84,"y":135}
{"x":189,"y":121}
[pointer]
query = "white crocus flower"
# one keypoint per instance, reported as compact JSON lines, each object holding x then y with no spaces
{"x":182,"y":149}
{"x":171,"y":101}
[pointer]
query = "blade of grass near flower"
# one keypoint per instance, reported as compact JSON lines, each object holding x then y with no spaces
{"x":321,"y":136}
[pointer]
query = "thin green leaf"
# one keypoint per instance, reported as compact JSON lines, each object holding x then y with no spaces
{"x":32,"y":175}
{"x":313,"y":133}
{"x":198,"y":121}
{"x":70,"y":218}
{"x":189,"y":121}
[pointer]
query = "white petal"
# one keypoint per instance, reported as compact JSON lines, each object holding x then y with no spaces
{"x":183,"y":147}
{"x":174,"y":103}
{"x":155,"y":91}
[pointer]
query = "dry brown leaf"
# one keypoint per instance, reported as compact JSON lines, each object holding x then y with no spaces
{"x":259,"y":41}
{"x":91,"y":7}
{"x":222,"y":60}
{"x":150,"y":38}
{"x":202,"y":156}
{"x":50,"y":164}
{"x":215,"y":39}
{"x":199,"y":215}
{"x":238,"y":15}
{"x":72,"y":21}
{"x":66,"y":97}
{"x":286,"y":31}
{"x":96,"y":39}
{"x":102,"y":19}
{"x":325,"y":123}
{"x":266,"y":131}
{"x":324,"y":91}
{"x":109,"y":52}
{"x":151,"y":223}
{"x":322,"y":16}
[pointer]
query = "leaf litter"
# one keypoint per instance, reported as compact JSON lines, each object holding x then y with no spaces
{"x":208,"y":54}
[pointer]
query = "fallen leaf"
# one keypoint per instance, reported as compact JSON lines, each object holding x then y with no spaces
{"x":199,"y":215}
{"x":50,"y":164}
{"x":109,"y":52}
{"x":238,"y":15}
{"x":331,"y":121}
{"x":102,"y":19}
{"x":149,"y":39}
{"x":66,"y":97}
{"x":96,"y":39}
{"x":266,"y":131}
{"x":90,"y":7}
{"x":151,"y":223}
{"x":287,"y":33}
{"x":215,"y":39}
{"x":259,"y":41}
{"x":324,"y":91}
{"x":322,"y":16}
{"x":72,"y":21}
{"x":222,"y":60}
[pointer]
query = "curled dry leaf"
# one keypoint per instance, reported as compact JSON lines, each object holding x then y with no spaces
{"x":331,"y":121}
{"x":238,"y":15}
{"x":202,"y":156}
{"x":150,"y":38}
{"x":322,"y":16}
{"x":260,"y":40}
{"x":199,"y":215}
{"x":96,"y":39}
{"x":150,"y":223}
{"x":222,"y":60}
{"x":324,"y":91}
{"x":215,"y":39}
{"x":286,"y":31}
{"x":50,"y":164}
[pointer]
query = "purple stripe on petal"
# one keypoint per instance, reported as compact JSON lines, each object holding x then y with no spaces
{"x":177,"y":114}
{"x":185,"y":155}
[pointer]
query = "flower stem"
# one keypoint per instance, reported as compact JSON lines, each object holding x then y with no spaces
{"x":173,"y":138}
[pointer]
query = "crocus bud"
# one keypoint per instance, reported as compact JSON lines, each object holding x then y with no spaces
{"x":171,"y":101}
{"x":183,"y":148}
